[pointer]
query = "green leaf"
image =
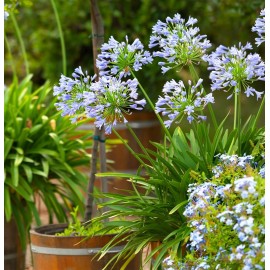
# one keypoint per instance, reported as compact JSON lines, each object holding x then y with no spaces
{"x":45,"y":166}
{"x":36,"y":214}
{"x":58,"y":143}
{"x":35,"y":129}
{"x":22,"y":228}
{"x":177,"y":207}
{"x":23,"y":136}
{"x":39,"y":172}
{"x":14,"y":175}
{"x":43,"y":151}
{"x":18,"y":160}
{"x":18,"y":126}
{"x":24,"y":190}
{"x":7,"y":202}
{"x":19,"y":150}
{"x":28,"y":172}
{"x":27,"y":159}
{"x":8,"y":144}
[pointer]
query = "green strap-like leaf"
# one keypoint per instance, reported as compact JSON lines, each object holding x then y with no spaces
{"x":18,"y":160}
{"x":7,"y":202}
{"x":23,"y":137}
{"x":23,"y":190}
{"x":14,"y":175}
{"x":39,"y":172}
{"x":177,"y":207}
{"x":8,"y":144}
{"x":28,"y":172}
{"x":45,"y":166}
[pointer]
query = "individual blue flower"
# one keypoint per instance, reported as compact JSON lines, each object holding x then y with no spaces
{"x":116,"y":99}
{"x":259,"y":28}
{"x":119,"y":58}
{"x":179,"y":101}
{"x":233,"y":68}
{"x":178,"y":42}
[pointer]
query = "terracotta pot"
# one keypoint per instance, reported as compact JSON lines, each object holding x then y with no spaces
{"x":52,"y":252}
{"x":14,"y":255}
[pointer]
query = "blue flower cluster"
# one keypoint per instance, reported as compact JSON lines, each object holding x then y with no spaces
{"x":107,"y":101}
{"x":178,"y":41}
{"x":236,"y":208}
{"x":259,"y":27}
{"x":119,"y":58}
{"x":178,"y":101}
{"x":233,"y":68}
{"x":115,"y":99}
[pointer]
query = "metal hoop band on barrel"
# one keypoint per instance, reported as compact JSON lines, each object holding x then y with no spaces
{"x":72,"y":251}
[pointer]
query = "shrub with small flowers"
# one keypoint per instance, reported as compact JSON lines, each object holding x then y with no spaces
{"x":227,"y":218}
{"x":217,"y":173}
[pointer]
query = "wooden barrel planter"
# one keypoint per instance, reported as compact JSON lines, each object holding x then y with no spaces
{"x":14,"y":255}
{"x":50,"y":252}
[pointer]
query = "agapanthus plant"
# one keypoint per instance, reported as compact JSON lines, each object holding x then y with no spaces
{"x":234,"y":69}
{"x":222,"y":190}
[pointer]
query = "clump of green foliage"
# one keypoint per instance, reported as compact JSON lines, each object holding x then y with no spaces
{"x":78,"y":228}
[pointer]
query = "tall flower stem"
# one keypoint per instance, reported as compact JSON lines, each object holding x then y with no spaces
{"x":237,"y":116}
{"x":19,"y":36}
{"x":239,"y":123}
{"x":194,"y":74}
{"x":10,"y":56}
{"x":61,"y":35}
{"x":153,"y":108}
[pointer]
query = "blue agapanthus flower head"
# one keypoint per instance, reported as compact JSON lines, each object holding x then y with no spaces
{"x":178,"y":102}
{"x":72,"y":92}
{"x":115,"y":99}
{"x":178,"y":42}
{"x":106,"y":101}
{"x":234,"y":68}
{"x":119,"y":58}
{"x":259,"y":28}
